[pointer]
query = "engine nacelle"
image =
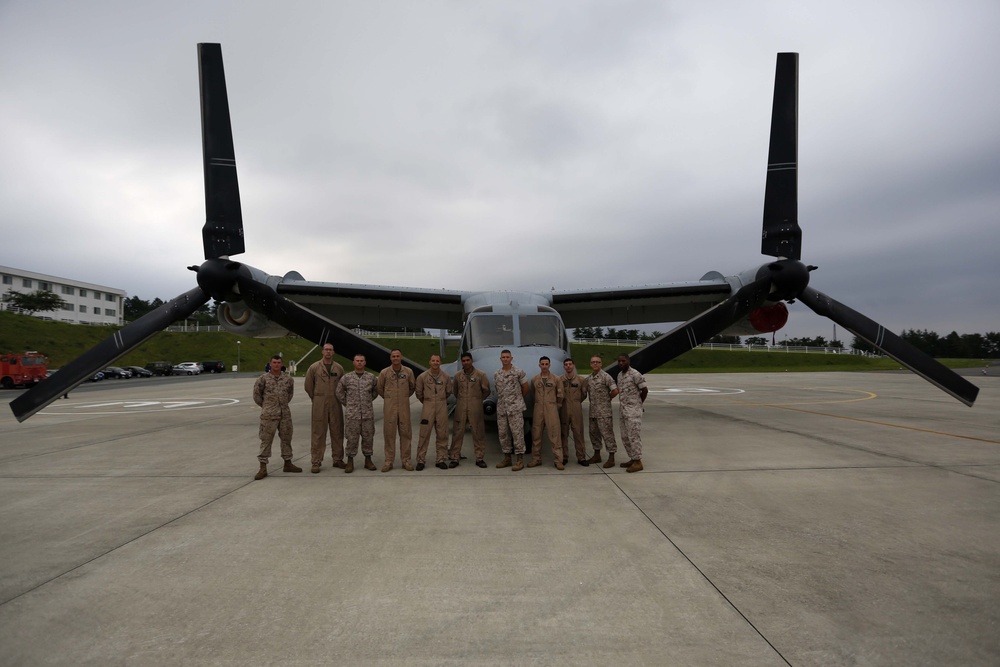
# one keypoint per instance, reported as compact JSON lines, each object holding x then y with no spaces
{"x":766,"y":319}
{"x":237,"y":318}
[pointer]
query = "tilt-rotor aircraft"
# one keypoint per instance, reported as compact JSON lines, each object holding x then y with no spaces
{"x":253,"y":303}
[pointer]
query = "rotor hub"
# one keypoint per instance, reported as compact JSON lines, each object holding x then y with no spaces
{"x":789,"y":277}
{"x":218,"y":278}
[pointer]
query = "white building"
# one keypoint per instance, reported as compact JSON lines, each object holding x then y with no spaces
{"x":86,"y":303}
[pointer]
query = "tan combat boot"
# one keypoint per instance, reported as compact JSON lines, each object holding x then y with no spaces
{"x":611,"y":460}
{"x":386,"y":467}
{"x":315,"y":467}
{"x":339,"y":464}
{"x":635,"y":467}
{"x":262,"y":473}
{"x":596,"y":458}
{"x":627,"y":463}
{"x":349,"y":466}
{"x":291,"y":467}
{"x":505,"y":462}
{"x":368,"y":463}
{"x":519,"y":464}
{"x":534,"y":462}
{"x":559,"y":465}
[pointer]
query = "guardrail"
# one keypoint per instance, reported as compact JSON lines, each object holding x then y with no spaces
{"x":622,"y":342}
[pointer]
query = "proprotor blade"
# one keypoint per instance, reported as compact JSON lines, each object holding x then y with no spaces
{"x":699,"y":329}
{"x":222,"y":234}
{"x":264,"y":300}
{"x":109,"y":349}
{"x":781,"y":235}
{"x":926,"y":367}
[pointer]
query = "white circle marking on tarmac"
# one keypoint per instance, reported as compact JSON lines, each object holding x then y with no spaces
{"x":130,"y":407}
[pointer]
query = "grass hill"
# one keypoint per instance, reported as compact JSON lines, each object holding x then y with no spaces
{"x":62,"y":342}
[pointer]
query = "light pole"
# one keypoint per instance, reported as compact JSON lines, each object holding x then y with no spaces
{"x":237,"y":356}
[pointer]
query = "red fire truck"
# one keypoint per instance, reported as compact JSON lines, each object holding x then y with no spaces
{"x":21,"y":369}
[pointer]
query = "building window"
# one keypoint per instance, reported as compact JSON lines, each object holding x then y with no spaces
{"x":83,"y":309}
{"x":83,"y":292}
{"x":26,"y":282}
{"x":67,"y":306}
{"x":8,"y":280}
{"x":66,"y":289}
{"x":110,"y":312}
{"x":97,"y":295}
{"x":109,"y":297}
{"x":45,"y":286}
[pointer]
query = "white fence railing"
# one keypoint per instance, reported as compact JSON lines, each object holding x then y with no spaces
{"x":622,"y":342}
{"x":731,"y":346}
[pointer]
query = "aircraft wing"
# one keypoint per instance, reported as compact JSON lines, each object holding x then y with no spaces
{"x":377,"y":305}
{"x":670,"y":302}
{"x":382,"y":305}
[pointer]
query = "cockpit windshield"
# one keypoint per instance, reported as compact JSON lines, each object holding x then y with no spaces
{"x":489,"y":331}
{"x":544,"y":330}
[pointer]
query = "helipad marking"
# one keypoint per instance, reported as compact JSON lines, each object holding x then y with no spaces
{"x":132,"y":407}
{"x":699,"y":391}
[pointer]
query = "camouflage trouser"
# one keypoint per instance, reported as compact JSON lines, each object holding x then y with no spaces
{"x":546,"y":420}
{"x":507,"y":424}
{"x":573,"y":422}
{"x":602,"y":432}
{"x":630,"y":437}
{"x":437,"y":419}
{"x":267,"y":429}
{"x":475,"y":421}
{"x":363,"y":429}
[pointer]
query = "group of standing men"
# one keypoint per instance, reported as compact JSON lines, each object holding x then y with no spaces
{"x":342,"y":404}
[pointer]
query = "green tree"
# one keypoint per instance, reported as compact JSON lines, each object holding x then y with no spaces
{"x":927,"y":342}
{"x":136,"y":308}
{"x":33,"y":302}
{"x":861,"y":345}
{"x":759,"y":341}
{"x":991,"y":345}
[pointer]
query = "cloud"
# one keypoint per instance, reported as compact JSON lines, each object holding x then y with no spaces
{"x":567,"y":144}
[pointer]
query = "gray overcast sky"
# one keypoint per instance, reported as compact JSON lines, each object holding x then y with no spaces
{"x":513,"y":145}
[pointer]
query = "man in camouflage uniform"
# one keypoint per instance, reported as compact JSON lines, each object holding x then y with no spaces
{"x":632,"y":394}
{"x":548,"y":401}
{"x":471,"y":388}
{"x":511,"y":389}
{"x":601,"y":388}
{"x":356,"y":391}
{"x":433,"y":388}
{"x":273,"y":392}
{"x":395,"y":385}
{"x":327,"y":413}
{"x":571,"y":413}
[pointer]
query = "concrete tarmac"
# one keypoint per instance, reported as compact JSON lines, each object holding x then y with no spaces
{"x":781,"y":519}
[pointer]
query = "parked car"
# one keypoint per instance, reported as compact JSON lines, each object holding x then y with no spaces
{"x":212,"y":366}
{"x":187,"y":368}
{"x":139,"y":372}
{"x":97,"y":377}
{"x":116,"y":372}
{"x":159,"y":367}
